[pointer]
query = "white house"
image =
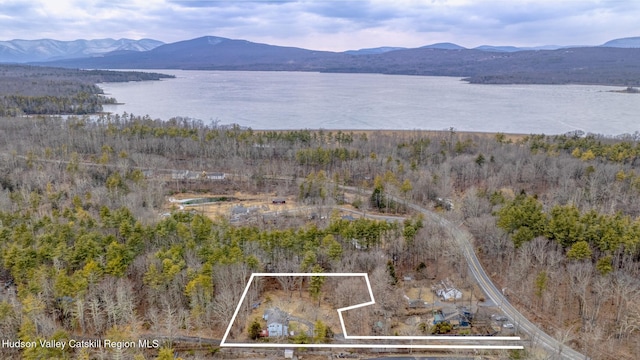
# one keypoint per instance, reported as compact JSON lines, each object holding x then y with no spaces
{"x":449,"y":294}
{"x":185,"y":175}
{"x":447,"y":291}
{"x":215,"y":176}
{"x":277,"y":322}
{"x":179,"y":174}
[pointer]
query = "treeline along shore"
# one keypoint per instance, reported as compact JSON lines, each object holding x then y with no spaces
{"x":26,"y":90}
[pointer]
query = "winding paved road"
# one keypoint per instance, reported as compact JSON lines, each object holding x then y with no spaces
{"x":463,"y":239}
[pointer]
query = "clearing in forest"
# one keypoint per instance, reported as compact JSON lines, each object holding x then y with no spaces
{"x":233,"y":336}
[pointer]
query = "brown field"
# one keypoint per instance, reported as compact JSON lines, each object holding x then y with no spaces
{"x":222,"y":209}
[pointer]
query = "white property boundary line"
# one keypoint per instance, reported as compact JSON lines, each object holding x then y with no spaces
{"x":223,"y":342}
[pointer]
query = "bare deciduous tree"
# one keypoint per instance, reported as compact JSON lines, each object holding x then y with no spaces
{"x":580,"y":278}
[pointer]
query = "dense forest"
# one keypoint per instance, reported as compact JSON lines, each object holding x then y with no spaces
{"x":85,"y":252}
{"x":28,"y":90}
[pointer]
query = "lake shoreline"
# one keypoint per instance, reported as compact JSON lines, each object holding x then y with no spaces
{"x":411,"y":133}
{"x":350,"y":102}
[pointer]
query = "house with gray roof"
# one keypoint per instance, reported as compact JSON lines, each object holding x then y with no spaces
{"x":277,"y":322}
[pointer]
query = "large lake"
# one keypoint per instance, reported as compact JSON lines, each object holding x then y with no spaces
{"x":299,"y":100}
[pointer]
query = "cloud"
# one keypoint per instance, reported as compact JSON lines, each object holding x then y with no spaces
{"x":327,"y":24}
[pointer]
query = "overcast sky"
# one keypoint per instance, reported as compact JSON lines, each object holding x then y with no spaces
{"x":335,"y":25}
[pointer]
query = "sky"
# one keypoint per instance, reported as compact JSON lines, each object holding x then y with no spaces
{"x":334,"y":25}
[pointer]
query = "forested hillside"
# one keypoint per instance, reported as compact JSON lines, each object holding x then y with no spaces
{"x":44,"y":90}
{"x":580,"y":65}
{"x":86,"y":253}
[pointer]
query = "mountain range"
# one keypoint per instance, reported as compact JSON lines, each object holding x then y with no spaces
{"x":613,"y":63}
{"x":24,"y":51}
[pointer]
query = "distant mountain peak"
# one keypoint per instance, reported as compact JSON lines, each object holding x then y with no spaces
{"x":628,"y":42}
{"x":444,"y":45}
{"x":497,"y":48}
{"x":377,"y":50}
{"x":213,"y":40}
{"x":210,"y":38}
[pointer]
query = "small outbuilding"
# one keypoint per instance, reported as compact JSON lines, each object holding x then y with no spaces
{"x":239,"y":210}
